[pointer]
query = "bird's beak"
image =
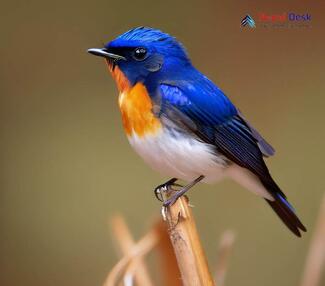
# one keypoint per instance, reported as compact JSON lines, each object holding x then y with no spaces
{"x":103,"y":53}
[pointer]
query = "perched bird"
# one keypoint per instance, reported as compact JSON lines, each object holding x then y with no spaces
{"x":182,"y":124}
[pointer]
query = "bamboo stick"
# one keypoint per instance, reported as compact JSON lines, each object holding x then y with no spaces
{"x":186,"y":243}
{"x":169,"y":270}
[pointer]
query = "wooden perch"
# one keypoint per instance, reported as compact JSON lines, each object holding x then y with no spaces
{"x":169,"y":270}
{"x":186,"y":243}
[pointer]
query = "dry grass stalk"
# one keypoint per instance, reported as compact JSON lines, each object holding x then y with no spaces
{"x":187,"y":246}
{"x":124,"y":240}
{"x":130,"y":274}
{"x":141,"y":248}
{"x":225,"y":248}
{"x":316,"y":256}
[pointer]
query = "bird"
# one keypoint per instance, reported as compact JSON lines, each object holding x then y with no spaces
{"x":183,"y":125}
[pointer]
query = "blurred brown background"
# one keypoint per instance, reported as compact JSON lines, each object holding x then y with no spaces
{"x":66,"y":165}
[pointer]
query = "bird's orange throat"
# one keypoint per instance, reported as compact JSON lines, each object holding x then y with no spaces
{"x":121,"y":80}
{"x":135,"y":105}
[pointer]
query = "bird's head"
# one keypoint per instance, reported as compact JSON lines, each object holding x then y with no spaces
{"x":140,"y":54}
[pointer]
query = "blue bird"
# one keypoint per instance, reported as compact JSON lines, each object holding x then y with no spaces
{"x":183,"y":125}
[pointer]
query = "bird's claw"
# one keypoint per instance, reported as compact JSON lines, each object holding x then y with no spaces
{"x":158,"y":192}
{"x":166,"y":188}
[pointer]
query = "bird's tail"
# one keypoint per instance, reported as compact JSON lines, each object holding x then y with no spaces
{"x":283,"y":208}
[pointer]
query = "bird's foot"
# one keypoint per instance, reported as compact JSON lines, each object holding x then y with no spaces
{"x":165,"y":188}
{"x":174,"y":197}
{"x":172,"y":200}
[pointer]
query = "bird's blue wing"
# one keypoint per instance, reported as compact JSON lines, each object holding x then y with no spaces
{"x":205,"y":112}
{"x":264,"y":146}
{"x":207,"y":108}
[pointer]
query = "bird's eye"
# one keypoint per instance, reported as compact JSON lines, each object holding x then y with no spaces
{"x":139,"y":54}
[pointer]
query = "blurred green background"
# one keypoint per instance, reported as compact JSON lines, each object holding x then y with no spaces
{"x":66,"y":165}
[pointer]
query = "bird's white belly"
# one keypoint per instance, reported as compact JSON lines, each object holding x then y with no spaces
{"x":177,"y":155}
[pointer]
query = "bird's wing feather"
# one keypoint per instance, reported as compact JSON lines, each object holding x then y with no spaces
{"x":207,"y":113}
{"x":265,"y":147}
{"x":210,"y":115}
{"x":208,"y":109}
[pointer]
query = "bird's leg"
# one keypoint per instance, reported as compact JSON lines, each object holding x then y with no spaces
{"x":181,"y":192}
{"x":165,"y":187}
